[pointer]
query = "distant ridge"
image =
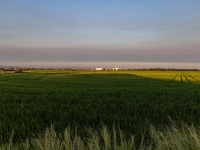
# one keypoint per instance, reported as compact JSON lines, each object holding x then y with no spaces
{"x":6,"y":67}
{"x":73,"y":67}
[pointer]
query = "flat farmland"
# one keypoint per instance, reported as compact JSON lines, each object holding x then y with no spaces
{"x":30,"y":102}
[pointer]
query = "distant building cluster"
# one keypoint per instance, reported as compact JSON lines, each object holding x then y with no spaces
{"x":146,"y":69}
{"x":98,"y":69}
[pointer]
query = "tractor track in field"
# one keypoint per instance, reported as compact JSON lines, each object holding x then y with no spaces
{"x":175,"y":77}
{"x":186,"y":76}
{"x":181,"y":77}
{"x":192,"y":77}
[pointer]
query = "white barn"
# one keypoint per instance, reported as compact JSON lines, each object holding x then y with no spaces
{"x":115,"y":69}
{"x":97,"y":69}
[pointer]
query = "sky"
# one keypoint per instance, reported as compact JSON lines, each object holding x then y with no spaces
{"x":86,"y":31}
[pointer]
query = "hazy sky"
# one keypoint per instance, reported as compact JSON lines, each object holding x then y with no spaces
{"x":99,"y":31}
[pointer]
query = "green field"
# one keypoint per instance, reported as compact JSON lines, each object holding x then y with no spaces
{"x":30,"y":102}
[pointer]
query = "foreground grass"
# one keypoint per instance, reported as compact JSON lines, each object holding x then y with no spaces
{"x":186,"y":137}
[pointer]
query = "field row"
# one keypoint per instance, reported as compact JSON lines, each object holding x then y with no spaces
{"x":184,"y":77}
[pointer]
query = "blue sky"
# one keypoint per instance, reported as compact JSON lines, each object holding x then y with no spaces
{"x":99,"y":31}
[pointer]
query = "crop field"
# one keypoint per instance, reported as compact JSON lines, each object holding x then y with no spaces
{"x":32,"y":101}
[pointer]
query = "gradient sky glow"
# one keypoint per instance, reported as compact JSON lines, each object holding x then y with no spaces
{"x":99,"y":31}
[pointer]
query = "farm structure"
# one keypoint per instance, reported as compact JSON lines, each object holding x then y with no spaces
{"x":115,"y":69}
{"x":97,"y":69}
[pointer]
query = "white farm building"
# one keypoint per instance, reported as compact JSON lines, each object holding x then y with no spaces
{"x":115,"y":69}
{"x":97,"y":69}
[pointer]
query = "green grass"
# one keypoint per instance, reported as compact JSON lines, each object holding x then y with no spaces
{"x":186,"y":137}
{"x":31,"y":102}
